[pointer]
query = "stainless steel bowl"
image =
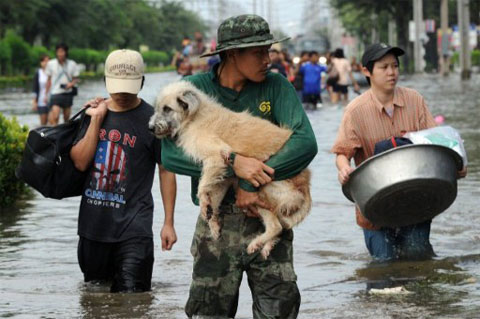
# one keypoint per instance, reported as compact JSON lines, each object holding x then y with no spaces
{"x":405,"y":185}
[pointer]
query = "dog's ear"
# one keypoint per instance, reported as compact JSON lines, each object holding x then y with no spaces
{"x":189,"y":101}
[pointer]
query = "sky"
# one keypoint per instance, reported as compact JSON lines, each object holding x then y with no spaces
{"x":285,"y":15}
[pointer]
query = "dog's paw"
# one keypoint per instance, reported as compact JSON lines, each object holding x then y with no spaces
{"x":254,"y":246}
{"x":267,"y":248}
{"x":265,"y":252}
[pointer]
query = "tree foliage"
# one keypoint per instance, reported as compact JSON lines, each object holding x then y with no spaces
{"x":361,"y":17}
{"x":20,"y":51}
{"x":356,"y":15}
{"x":100,"y":24}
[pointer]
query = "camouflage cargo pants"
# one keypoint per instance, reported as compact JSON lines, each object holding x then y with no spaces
{"x":219,"y":265}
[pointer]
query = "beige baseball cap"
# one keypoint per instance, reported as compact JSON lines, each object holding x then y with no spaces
{"x":124,"y":71}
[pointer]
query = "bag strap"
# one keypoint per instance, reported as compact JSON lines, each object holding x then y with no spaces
{"x":58,"y":77}
{"x":79,"y":112}
{"x":83,"y":114}
{"x":62,"y":73}
{"x":66,"y":73}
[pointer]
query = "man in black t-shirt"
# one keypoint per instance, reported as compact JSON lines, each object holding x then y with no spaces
{"x":116,"y":211}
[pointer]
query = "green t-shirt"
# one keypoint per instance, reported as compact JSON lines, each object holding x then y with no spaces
{"x":275,"y":100}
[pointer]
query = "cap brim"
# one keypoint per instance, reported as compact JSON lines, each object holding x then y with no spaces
{"x":131,"y":86}
{"x":245,"y":45}
{"x":395,"y":50}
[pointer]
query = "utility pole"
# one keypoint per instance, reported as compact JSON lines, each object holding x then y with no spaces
{"x":445,"y":38}
{"x":254,"y":7}
{"x":375,"y":35}
{"x":269,"y":12}
{"x":417,"y":44}
{"x":463,"y":9}
{"x":221,"y":10}
{"x":392,"y":33}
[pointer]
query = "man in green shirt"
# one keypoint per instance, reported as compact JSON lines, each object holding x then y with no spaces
{"x":241,"y":82}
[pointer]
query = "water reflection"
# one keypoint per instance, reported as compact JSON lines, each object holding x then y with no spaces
{"x":97,"y":302}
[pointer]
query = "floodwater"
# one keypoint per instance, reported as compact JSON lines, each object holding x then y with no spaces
{"x":40,"y":277}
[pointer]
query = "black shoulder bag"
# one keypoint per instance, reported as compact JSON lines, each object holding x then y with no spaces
{"x":46,"y":164}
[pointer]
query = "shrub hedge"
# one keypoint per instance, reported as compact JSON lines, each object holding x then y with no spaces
{"x":17,"y":57}
{"x":13,"y":137}
{"x":475,"y":58}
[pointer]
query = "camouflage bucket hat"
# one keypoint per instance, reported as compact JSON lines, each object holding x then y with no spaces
{"x":244,"y":31}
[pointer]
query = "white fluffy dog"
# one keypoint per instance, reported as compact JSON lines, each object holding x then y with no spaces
{"x":208,"y":132}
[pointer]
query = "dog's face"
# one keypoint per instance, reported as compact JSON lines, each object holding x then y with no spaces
{"x":175,"y":104}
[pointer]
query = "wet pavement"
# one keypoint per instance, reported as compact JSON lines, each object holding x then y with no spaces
{"x":40,"y":277}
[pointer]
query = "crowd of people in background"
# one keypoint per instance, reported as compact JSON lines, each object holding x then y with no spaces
{"x":55,"y":80}
{"x":188,"y":60}
{"x":314,"y":72}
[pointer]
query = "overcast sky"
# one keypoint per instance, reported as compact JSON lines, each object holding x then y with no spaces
{"x":285,"y":14}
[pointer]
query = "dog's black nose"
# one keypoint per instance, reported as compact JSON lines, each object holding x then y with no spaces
{"x":151,"y":129}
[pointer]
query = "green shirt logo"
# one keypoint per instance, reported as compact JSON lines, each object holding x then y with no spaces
{"x":265,"y":107}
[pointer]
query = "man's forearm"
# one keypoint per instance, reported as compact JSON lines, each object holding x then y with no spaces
{"x":83,"y":152}
{"x":168,"y":190}
{"x":295,"y":155}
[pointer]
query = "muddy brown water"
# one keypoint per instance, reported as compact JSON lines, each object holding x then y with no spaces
{"x":40,"y":277}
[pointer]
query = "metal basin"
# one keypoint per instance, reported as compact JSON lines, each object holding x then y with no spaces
{"x":405,"y":185}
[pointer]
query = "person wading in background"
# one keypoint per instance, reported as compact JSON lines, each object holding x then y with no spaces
{"x":39,"y":88}
{"x":62,"y":77}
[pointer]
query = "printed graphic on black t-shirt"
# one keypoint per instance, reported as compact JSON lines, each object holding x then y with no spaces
{"x":108,"y":176}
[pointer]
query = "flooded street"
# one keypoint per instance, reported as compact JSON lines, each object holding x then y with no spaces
{"x":40,"y":276}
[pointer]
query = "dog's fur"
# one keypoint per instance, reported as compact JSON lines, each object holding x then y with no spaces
{"x":208,"y":132}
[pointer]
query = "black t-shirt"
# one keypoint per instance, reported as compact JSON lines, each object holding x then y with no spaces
{"x":117,"y":201}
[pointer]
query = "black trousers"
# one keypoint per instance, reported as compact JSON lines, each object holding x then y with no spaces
{"x":127,"y":264}
{"x":312,"y":98}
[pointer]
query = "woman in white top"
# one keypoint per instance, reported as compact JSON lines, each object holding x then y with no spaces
{"x":344,"y":69}
{"x":39,"y":84}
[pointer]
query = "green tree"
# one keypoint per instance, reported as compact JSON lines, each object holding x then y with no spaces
{"x":20,"y":53}
{"x":100,"y":24}
{"x":176,"y":23}
{"x":356,"y":17}
{"x":5,"y":57}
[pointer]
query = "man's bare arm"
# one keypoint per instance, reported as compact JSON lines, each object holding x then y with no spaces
{"x":168,"y":189}
{"x":83,"y":152}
